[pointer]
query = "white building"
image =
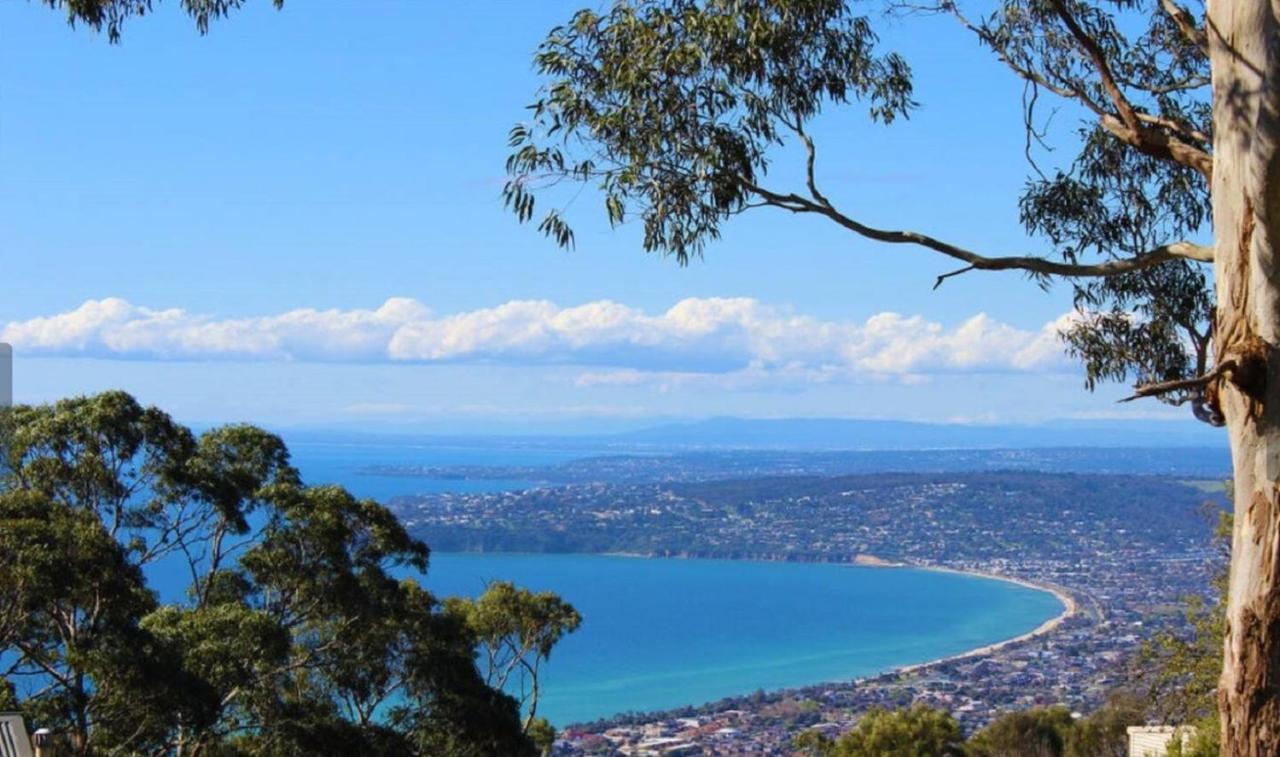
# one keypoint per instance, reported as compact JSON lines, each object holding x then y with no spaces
{"x":1154,"y":740}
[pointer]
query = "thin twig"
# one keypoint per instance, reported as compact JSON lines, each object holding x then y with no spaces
{"x":945,"y":276}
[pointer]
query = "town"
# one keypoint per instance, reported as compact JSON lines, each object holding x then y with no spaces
{"x":1123,"y":549}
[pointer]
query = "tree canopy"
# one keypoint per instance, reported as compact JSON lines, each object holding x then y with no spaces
{"x":675,"y":109}
{"x":918,"y":731}
{"x":516,"y":630}
{"x":297,"y":632}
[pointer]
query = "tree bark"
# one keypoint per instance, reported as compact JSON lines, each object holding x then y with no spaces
{"x":1244,"y":49}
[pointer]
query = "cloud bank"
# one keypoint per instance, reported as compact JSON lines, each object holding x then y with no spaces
{"x":694,"y":339}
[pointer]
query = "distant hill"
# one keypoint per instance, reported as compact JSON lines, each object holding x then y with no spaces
{"x":801,"y":435}
{"x":836,"y":433}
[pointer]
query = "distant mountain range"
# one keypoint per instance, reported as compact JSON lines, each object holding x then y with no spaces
{"x":798,"y":434}
{"x":835,"y":433}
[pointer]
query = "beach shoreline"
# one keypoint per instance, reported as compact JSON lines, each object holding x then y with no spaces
{"x":1069,"y":608}
{"x":1069,"y":605}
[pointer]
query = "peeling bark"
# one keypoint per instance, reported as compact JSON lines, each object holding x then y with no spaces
{"x":1244,"y":49}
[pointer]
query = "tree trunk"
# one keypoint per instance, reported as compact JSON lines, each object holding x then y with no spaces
{"x":1244,"y":49}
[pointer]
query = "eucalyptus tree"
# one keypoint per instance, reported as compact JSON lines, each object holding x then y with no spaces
{"x":111,"y":15}
{"x":516,"y":630}
{"x":675,"y":108}
{"x":286,"y":628}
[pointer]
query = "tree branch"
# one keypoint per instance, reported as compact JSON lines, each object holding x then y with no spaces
{"x":974,"y":260}
{"x":1094,"y":51}
{"x":1168,"y":387}
{"x":1158,"y":144}
{"x":811,"y":158}
{"x":1066,"y":92}
{"x":1141,"y":131}
{"x":1186,"y":24}
{"x":944,"y":276}
{"x":1130,"y":126}
{"x":1173,"y":126}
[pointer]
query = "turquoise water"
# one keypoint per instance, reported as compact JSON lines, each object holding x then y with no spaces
{"x":661,"y":633}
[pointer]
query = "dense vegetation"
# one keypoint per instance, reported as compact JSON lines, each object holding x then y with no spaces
{"x":1047,"y":732}
{"x":295,"y":632}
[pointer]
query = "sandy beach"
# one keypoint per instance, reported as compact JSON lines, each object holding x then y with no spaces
{"x":1069,"y":608}
{"x":1069,"y":605}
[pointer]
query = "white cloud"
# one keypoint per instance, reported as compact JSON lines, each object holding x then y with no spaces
{"x":116,"y":328}
{"x":733,"y":342}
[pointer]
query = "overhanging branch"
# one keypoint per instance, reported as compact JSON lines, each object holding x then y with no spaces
{"x":818,"y":203}
{"x":975,"y":261}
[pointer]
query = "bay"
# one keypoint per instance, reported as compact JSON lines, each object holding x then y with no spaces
{"x":664,"y":633}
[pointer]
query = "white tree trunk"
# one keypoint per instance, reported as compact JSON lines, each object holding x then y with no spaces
{"x":1244,"y":42}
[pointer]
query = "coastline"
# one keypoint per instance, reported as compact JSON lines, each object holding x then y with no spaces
{"x":1069,"y":606}
{"x":1069,"y":609}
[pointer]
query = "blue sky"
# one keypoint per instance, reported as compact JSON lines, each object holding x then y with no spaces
{"x":296,"y":220}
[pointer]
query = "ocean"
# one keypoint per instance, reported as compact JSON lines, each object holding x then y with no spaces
{"x":664,"y":633}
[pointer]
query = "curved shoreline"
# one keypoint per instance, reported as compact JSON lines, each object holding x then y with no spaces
{"x":1069,"y":605}
{"x":1069,"y":608}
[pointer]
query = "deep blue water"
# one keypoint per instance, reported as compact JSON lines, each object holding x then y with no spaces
{"x":335,"y":462}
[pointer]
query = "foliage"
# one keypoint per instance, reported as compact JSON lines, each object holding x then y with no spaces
{"x":1105,"y":733}
{"x":1113,"y":201}
{"x":295,"y":636}
{"x":1205,"y":741}
{"x":1028,"y":733}
{"x":542,"y":733}
{"x":671,"y":107}
{"x":112,"y":14}
{"x":1050,"y":732}
{"x":915,"y":732}
{"x":516,"y":630}
{"x":674,"y":109}
{"x":1181,"y":670}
